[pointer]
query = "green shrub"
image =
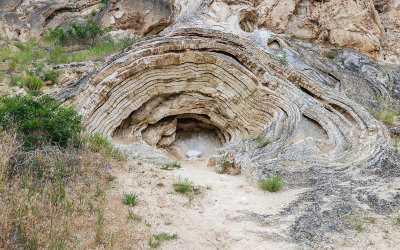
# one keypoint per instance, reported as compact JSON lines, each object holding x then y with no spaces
{"x":184,"y":186}
{"x":130,"y":199}
{"x":157,"y":239}
{"x":51,"y":75}
{"x":273,"y":184}
{"x":39,"y":121}
{"x":77,"y":33}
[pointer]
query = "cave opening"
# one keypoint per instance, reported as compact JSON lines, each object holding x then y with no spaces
{"x":195,"y":139}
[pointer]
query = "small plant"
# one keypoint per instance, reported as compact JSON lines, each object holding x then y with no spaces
{"x":17,"y":80}
{"x":263,"y":141}
{"x":283,"y":58}
{"x":273,"y":184}
{"x":167,"y":223}
{"x":111,"y":177}
{"x":51,"y":75}
{"x":223,"y":164}
{"x":171,"y":166}
{"x":360,"y":221}
{"x":101,"y":144}
{"x":184,"y":186}
{"x":157,"y":239}
{"x":99,"y":225}
{"x":134,"y":217}
{"x":398,"y":220}
{"x":130,"y":199}
{"x":33,"y":84}
{"x":330,"y":54}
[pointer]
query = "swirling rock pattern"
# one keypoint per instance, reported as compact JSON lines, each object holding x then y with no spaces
{"x":275,"y":104}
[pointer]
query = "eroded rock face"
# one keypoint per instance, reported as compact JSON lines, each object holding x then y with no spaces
{"x":352,"y":24}
{"x":369,"y":26}
{"x":25,"y":18}
{"x":276,"y":104}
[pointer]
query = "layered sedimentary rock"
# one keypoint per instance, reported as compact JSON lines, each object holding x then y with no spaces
{"x":276,"y":105}
{"x":369,"y":26}
{"x":228,"y":83}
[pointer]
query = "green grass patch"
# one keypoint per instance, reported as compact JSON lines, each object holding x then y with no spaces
{"x":184,"y":186}
{"x":52,"y":75}
{"x":171,"y":166}
{"x":272,"y":184}
{"x":130,"y":199}
{"x":157,"y":239}
{"x":330,"y":54}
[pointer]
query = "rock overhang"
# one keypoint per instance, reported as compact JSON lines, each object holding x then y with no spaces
{"x":230,"y":83}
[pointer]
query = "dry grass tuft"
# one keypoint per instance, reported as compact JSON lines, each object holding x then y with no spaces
{"x":52,"y":197}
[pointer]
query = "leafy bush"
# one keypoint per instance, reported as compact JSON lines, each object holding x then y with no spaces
{"x":77,"y":33}
{"x":51,"y":75}
{"x":273,"y":184}
{"x":131,"y":199}
{"x":39,"y":121}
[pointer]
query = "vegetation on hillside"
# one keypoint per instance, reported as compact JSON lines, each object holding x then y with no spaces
{"x":29,"y":64}
{"x":53,"y":180}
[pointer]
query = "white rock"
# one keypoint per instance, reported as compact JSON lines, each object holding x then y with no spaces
{"x":193,"y":154}
{"x":244,"y":201}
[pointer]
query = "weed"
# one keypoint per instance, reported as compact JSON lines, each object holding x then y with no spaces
{"x":111,"y":177}
{"x":101,"y":144}
{"x":167,"y":223}
{"x":33,"y":84}
{"x":58,"y":55}
{"x":16,"y":80}
{"x":184,"y":186}
{"x":171,"y":166}
{"x":283,"y":58}
{"x":51,"y":75}
{"x":360,"y":221}
{"x":223,"y":164}
{"x":134,"y":217}
{"x":273,"y":184}
{"x":99,"y":225}
{"x":330,"y":54}
{"x":398,"y":220}
{"x":157,"y":239}
{"x":263,"y":141}
{"x":130,"y":199}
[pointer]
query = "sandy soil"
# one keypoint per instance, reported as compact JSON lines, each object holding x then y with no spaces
{"x":227,"y":213}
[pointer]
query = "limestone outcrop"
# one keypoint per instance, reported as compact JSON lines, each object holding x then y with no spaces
{"x":369,"y":26}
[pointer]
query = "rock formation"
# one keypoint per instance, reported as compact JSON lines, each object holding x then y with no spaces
{"x":279,"y":105}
